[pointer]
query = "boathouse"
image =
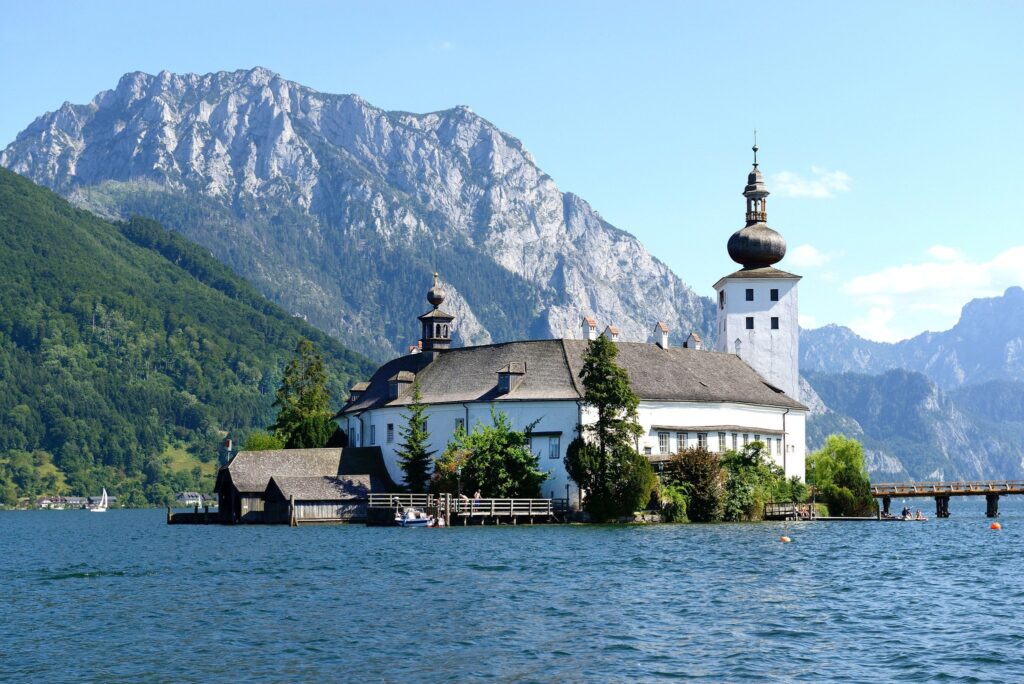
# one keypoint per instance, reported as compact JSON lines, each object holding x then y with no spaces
{"x":319,"y":481}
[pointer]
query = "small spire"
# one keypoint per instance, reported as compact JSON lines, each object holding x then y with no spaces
{"x":755,"y":148}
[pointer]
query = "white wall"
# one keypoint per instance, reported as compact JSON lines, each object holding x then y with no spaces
{"x":555,"y":417}
{"x":562,"y":416}
{"x":775,"y":354}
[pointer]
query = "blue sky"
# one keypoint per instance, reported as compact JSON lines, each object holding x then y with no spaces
{"x":890,"y":133}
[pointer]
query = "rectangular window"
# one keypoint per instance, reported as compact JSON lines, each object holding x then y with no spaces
{"x":735,"y":441}
{"x":746,"y":439}
{"x":721,"y":442}
{"x":750,"y":294}
{"x":750,"y":322}
{"x":460,"y":424}
{"x":663,"y":443}
{"x":775,"y":322}
{"x":680,"y":441}
{"x":554,"y":452}
{"x":391,"y":433}
{"x":702,"y":440}
{"x":647,"y":451}
{"x":373,"y":435}
{"x":778,"y":445}
{"x":757,"y":438}
{"x":774,"y":295}
{"x":721,"y":299}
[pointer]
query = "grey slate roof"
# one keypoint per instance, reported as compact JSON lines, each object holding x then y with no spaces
{"x":322,"y":488}
{"x":553,"y":366}
{"x":251,"y":470}
{"x":763,"y":272}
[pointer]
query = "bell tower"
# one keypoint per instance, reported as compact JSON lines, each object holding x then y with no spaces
{"x":757,"y":305}
{"x":437,"y":325}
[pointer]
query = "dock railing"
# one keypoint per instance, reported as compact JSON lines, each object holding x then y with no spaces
{"x":506,"y":508}
{"x":402,"y":500}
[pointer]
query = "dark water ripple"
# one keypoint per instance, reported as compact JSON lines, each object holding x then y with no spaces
{"x":123,"y":597}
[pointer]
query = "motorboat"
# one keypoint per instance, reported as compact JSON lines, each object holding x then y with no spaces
{"x":413,"y":517}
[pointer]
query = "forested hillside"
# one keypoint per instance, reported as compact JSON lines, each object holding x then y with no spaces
{"x":128,"y":353}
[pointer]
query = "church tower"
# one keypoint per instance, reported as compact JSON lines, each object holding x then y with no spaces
{"x":436,"y":324}
{"x":757,"y":305}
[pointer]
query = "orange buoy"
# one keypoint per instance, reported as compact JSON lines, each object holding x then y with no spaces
{"x":996,"y":526}
{"x":784,"y":539}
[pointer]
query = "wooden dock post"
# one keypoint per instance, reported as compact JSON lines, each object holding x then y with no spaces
{"x":992,"y":505}
{"x":886,"y":500}
{"x":292,"y":519}
{"x":942,"y":506}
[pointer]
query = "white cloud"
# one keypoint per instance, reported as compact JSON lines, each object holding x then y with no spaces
{"x":821,"y":185}
{"x":943,"y":253}
{"x":807,"y":256}
{"x":935,"y":289}
{"x":447,"y":45}
{"x":807,"y":321}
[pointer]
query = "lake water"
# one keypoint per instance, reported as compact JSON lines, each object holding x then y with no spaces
{"x":124,"y":597}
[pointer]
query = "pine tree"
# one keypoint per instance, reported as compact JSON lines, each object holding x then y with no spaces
{"x":413,"y":454}
{"x":604,"y":461}
{"x":303,"y":401}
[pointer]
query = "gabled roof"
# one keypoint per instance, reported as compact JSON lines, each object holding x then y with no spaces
{"x":250,"y":471}
{"x":553,"y":367}
{"x":319,"y":488}
{"x":763,"y":272}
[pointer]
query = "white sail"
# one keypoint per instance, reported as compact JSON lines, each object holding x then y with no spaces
{"x":102,"y":506}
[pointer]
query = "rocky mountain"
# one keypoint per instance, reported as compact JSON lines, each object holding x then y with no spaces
{"x":912,"y":429}
{"x":986,"y":344}
{"x":340,"y":211}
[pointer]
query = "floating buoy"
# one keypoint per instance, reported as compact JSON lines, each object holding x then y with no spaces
{"x":996,"y":526}
{"x":784,"y":539}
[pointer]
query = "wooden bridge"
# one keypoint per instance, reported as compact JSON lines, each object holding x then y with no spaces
{"x":495,"y":511}
{"x":942,"y":491}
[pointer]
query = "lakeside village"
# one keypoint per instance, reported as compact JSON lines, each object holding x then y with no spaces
{"x":595,"y":428}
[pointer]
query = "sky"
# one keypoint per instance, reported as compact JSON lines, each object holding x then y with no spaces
{"x":890,"y":133}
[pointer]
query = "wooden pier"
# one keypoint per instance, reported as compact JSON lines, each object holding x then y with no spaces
{"x":942,"y":491}
{"x":455,"y":510}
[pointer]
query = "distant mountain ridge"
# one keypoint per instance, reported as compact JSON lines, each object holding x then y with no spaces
{"x":986,"y":344}
{"x":340,"y":211}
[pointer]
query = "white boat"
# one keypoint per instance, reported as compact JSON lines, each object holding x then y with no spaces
{"x":412,"y":517}
{"x":102,"y":506}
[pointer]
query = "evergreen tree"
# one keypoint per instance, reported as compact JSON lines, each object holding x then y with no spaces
{"x":493,"y":458}
{"x":413,"y":455}
{"x":303,"y":401}
{"x":604,"y":461}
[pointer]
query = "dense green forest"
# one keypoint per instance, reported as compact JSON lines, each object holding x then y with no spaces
{"x":127,"y":354}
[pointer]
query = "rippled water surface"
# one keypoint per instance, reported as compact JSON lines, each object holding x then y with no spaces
{"x":124,"y":597}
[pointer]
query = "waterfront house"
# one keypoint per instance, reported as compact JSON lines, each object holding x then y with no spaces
{"x":745,"y":389}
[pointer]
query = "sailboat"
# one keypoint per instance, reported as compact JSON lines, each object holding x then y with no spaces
{"x":102,"y":506}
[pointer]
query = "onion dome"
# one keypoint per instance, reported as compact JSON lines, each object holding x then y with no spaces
{"x":435,"y":295}
{"x":756,"y":245}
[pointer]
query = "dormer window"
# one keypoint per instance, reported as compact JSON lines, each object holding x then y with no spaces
{"x":510,"y":377}
{"x":398,"y":383}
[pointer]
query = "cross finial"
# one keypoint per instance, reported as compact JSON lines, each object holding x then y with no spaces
{"x":755,"y":148}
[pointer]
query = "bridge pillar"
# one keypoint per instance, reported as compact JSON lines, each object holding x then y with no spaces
{"x":992,"y":505}
{"x":885,"y":504}
{"x":942,"y":507}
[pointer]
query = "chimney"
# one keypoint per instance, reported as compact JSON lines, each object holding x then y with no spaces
{"x":589,"y":327}
{"x":661,"y":335}
{"x":694,"y":342}
{"x":612,"y":333}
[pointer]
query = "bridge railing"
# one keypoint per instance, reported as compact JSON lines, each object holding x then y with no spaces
{"x":402,"y":500}
{"x":959,"y":488}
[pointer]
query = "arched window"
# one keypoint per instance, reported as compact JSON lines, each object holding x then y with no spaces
{"x":444,"y":331}
{"x":738,"y":345}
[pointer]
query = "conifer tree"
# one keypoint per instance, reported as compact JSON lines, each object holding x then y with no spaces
{"x":303,"y":401}
{"x":604,"y":461}
{"x":413,"y":455}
